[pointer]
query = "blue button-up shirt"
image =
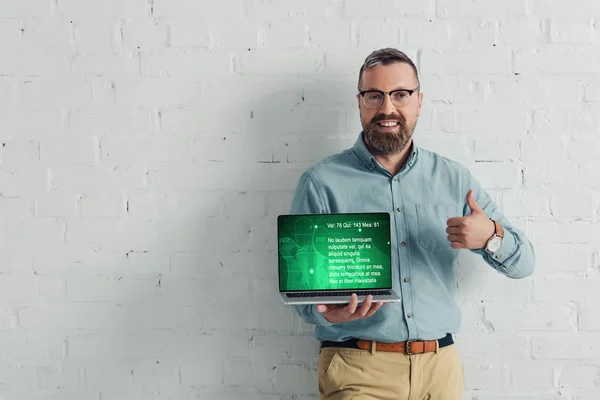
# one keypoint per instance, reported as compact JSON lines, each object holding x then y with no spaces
{"x":426,"y":192}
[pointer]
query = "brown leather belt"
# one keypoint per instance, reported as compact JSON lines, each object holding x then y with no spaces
{"x":408,"y":347}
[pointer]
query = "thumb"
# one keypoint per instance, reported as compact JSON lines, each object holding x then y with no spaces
{"x":323,"y":308}
{"x":472,"y":203}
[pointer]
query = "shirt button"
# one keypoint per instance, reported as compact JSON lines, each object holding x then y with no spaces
{"x":409,"y":315}
{"x":405,"y":279}
{"x":498,"y":256}
{"x":395,"y":178}
{"x":399,"y":209}
{"x":402,"y":244}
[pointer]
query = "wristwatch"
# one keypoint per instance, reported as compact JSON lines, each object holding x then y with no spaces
{"x":495,"y":242}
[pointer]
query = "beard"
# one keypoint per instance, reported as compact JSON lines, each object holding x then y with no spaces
{"x":388,"y":142}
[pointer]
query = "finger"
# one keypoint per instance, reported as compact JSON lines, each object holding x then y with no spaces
{"x":455,"y":222}
{"x":453,"y":230}
{"x":351,"y":307}
{"x":472,"y":203}
{"x":458,"y":245}
{"x":376,"y":306}
{"x":455,"y":238}
{"x":364,"y":309}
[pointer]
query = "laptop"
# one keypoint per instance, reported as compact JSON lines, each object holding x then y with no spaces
{"x":324,"y":258}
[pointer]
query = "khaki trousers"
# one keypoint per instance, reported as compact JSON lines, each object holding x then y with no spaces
{"x":346,"y":374}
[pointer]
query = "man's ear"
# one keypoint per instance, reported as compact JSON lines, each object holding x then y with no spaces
{"x":421,"y":95}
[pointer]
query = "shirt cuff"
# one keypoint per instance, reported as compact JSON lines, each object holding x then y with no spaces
{"x":320,"y":319}
{"x":508,"y":248}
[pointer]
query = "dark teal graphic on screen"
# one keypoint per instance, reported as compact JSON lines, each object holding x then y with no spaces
{"x":341,"y":251}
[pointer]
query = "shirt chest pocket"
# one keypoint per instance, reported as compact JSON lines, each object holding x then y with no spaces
{"x":432,"y":223}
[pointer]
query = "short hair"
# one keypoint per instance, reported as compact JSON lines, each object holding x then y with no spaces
{"x":386,"y":56}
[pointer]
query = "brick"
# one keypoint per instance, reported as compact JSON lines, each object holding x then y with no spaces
{"x":237,"y":35}
{"x":575,"y":376}
{"x":493,"y":61}
{"x":103,"y":205}
{"x":537,"y":317}
{"x":184,"y":62}
{"x":110,"y":9}
{"x":501,"y":347}
{"x":73,"y":151}
{"x":25,"y":9}
{"x":63,"y":375}
{"x":53,"y":95}
{"x":144,"y":34}
{"x":239,"y":372}
{"x":487,"y":285}
{"x":295,"y":378}
{"x":479,"y":124}
{"x":556,"y":258}
{"x":55,"y":62}
{"x":10,"y":32}
{"x":108,"y":64}
{"x":67,"y":317}
{"x":56,"y":204}
{"x":110,"y":120}
{"x":533,"y":376}
{"x":591,"y":89}
{"x":497,"y":175}
{"x":526,"y":203}
{"x":327,"y":34}
{"x":355,"y":9}
{"x":14,"y":209}
{"x":574,"y":289}
{"x":18,"y":377}
{"x":521,"y":30}
{"x":571,"y":31}
{"x":23,"y":346}
{"x":201,"y":371}
{"x":148,"y":149}
{"x":110,"y":291}
{"x":39,"y":33}
{"x":496,"y":150}
{"x":480,"y":9}
{"x":557,"y":348}
{"x":571,"y":9}
{"x":538,"y":148}
{"x":556,"y":60}
{"x":286,"y":34}
{"x":588,"y":317}
{"x":485,"y":377}
{"x":267,"y":62}
{"x":98,"y":35}
{"x":261,"y":10}
{"x":15,"y":153}
{"x":190,"y":35}
{"x":573,"y":204}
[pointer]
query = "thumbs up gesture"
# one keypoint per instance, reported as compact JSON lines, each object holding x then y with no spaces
{"x":472,"y":231}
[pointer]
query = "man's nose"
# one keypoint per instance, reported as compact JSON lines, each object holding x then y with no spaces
{"x":387,"y":106}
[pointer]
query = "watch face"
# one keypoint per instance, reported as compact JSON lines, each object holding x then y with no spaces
{"x":495,"y":244}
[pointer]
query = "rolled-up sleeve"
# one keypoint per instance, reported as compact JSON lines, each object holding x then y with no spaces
{"x":516,"y":257}
{"x":308,"y":200}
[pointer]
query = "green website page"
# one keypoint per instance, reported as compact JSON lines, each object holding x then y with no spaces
{"x":334,"y":251}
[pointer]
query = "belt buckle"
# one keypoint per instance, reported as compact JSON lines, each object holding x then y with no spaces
{"x":407,"y":347}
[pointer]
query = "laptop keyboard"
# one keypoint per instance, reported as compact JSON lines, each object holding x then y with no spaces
{"x":335,"y":294}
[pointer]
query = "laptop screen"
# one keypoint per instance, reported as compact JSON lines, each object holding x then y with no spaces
{"x":334,"y":251}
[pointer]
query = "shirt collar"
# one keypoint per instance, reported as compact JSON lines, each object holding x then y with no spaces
{"x":361,"y":150}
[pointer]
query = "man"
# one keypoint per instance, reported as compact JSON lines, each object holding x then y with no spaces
{"x":403,"y":350}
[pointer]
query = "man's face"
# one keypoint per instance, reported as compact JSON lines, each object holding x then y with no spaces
{"x":389,"y":128}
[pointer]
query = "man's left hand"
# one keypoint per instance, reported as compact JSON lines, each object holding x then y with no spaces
{"x":472,"y":231}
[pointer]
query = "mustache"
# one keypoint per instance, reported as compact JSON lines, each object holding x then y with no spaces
{"x":383,"y":117}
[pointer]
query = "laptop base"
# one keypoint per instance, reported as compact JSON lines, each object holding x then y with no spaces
{"x":343,"y":299}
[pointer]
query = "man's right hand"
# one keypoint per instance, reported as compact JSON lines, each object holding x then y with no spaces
{"x":335,"y":313}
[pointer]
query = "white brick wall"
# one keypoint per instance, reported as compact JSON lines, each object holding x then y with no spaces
{"x":147,"y":147}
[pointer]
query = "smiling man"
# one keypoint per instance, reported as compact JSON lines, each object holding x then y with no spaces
{"x":403,"y":350}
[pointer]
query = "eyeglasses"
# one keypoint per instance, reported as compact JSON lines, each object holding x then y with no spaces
{"x":374,"y":98}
